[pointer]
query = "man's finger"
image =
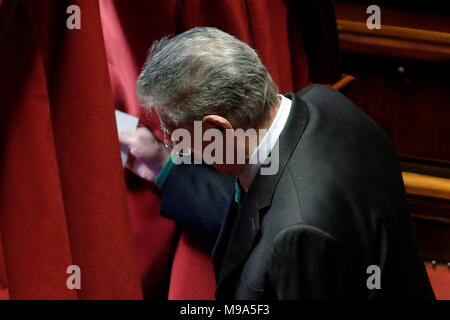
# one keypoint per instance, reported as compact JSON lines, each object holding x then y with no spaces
{"x":126,"y":138}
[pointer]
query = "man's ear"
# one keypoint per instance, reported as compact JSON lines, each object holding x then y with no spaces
{"x":217,"y":122}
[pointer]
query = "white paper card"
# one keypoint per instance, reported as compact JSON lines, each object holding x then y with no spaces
{"x":125,"y":123}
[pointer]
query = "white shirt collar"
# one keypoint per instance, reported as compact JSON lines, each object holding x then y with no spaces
{"x":262,"y":152}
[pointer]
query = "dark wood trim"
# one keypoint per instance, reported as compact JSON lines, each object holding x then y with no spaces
{"x":431,"y":217}
{"x":395,"y":32}
{"x":343,"y":82}
{"x":394,"y":41}
{"x":428,"y":186}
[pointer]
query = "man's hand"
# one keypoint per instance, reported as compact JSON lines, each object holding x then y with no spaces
{"x":147,"y":154}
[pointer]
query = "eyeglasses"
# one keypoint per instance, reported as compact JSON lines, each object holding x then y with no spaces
{"x":172,"y":146}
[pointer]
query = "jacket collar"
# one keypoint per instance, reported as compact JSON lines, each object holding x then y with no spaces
{"x":229,"y":255}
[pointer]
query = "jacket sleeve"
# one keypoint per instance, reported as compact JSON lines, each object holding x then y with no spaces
{"x":196,"y":195}
{"x":306,"y":264}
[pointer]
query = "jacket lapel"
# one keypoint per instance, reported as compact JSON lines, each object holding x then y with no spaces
{"x":221,"y":242}
{"x":238,"y":235}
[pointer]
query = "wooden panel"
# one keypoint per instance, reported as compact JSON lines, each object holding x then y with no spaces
{"x":409,"y":99}
{"x":430,"y":168}
{"x":394,"y":41}
{"x":429,"y":186}
{"x":432,"y":223}
{"x":430,"y":209}
{"x":426,"y":15}
{"x":402,"y":82}
{"x":401,"y":72}
{"x":343,"y":82}
{"x":395,"y":32}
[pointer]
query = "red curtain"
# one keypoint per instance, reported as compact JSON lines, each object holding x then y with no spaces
{"x":63,"y":199}
{"x":129,"y":28}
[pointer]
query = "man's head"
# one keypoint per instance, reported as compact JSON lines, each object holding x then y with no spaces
{"x":207,"y":75}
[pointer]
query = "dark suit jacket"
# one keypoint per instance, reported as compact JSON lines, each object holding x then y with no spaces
{"x":336,"y":206}
{"x":197,"y":196}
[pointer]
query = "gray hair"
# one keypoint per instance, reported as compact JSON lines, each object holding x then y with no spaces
{"x":206,"y":71}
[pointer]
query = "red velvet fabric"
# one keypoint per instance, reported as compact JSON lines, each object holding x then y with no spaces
{"x":129,"y":28}
{"x":192,"y":276}
{"x":440,"y":281}
{"x":62,"y":199}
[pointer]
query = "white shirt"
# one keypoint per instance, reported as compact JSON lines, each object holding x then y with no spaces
{"x":260,"y":155}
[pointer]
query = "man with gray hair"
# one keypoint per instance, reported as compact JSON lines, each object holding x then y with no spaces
{"x":331,"y":221}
